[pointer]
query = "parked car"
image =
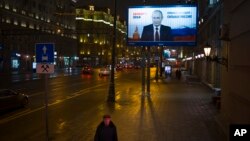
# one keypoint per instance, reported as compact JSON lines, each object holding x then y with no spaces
{"x":12,"y":99}
{"x":87,"y":70}
{"x":104,"y":71}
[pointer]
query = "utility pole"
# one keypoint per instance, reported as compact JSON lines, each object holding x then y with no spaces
{"x":111,"y":96}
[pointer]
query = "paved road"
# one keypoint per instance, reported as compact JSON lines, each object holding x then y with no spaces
{"x":175,"y":111}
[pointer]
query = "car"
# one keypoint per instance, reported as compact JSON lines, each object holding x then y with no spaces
{"x":87,"y":70}
{"x":129,"y":66}
{"x":137,"y":66}
{"x":10,"y":99}
{"x":119,"y":68}
{"x":104,"y":72}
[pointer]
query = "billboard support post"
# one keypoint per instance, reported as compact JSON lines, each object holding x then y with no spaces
{"x":157,"y":64}
{"x":143,"y":70}
{"x":161,"y":68}
{"x":148,"y":71}
{"x":156,"y":72}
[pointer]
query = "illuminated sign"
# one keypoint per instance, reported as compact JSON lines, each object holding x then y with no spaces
{"x":171,"y":25}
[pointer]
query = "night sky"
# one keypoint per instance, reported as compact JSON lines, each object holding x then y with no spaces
{"x":122,"y":5}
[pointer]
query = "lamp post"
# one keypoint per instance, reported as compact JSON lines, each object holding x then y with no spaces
{"x":220,"y":60}
{"x":207,"y":50}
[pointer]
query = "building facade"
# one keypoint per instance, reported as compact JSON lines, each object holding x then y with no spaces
{"x":95,"y":36}
{"x":235,"y":84}
{"x":224,"y":27}
{"x":27,"y":22}
{"x":210,"y":21}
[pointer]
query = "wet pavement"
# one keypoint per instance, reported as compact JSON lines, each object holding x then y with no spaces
{"x":174,"y":111}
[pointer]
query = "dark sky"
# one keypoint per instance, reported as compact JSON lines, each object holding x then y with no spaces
{"x":122,"y":5}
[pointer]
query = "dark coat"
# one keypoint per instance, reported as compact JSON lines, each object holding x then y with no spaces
{"x":106,"y":133}
{"x":148,"y":33}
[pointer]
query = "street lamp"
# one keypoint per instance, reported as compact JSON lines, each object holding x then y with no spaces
{"x":220,"y":60}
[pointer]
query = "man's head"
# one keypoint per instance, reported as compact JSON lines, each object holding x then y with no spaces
{"x":106,"y":119}
{"x":157,"y":17}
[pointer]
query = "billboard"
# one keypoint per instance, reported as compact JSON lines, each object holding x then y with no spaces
{"x":170,"y":25}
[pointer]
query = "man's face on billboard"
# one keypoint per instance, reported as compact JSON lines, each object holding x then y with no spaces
{"x":157,"y":17}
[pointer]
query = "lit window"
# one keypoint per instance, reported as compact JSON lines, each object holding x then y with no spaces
{"x":91,"y":8}
{"x":108,"y":11}
{"x":42,"y":18}
{"x":37,"y":28}
{"x":23,"y":12}
{"x":7,"y":6}
{"x":37,"y":16}
{"x":23,"y":24}
{"x":7,"y":20}
{"x":81,"y":40}
{"x":14,"y":9}
{"x":15,"y":22}
{"x":31,"y":26}
{"x":48,"y":20}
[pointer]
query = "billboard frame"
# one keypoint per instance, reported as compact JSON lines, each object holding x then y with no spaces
{"x":163,"y":43}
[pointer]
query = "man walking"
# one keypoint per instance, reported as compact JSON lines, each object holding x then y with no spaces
{"x":106,"y":130}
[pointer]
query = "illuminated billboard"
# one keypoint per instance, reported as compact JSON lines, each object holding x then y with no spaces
{"x":171,"y":25}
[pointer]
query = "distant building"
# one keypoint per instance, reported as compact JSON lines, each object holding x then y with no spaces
{"x":94,"y":28}
{"x":23,"y":23}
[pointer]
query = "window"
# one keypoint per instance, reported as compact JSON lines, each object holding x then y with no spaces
{"x":14,"y":9}
{"x":15,"y":22}
{"x":91,"y":8}
{"x":31,"y":26}
{"x":7,"y":6}
{"x":37,"y":16}
{"x":23,"y":24}
{"x":23,"y":12}
{"x":8,"y":20}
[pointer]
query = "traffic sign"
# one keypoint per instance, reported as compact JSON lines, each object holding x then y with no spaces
{"x":45,"y":53}
{"x":45,"y":68}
